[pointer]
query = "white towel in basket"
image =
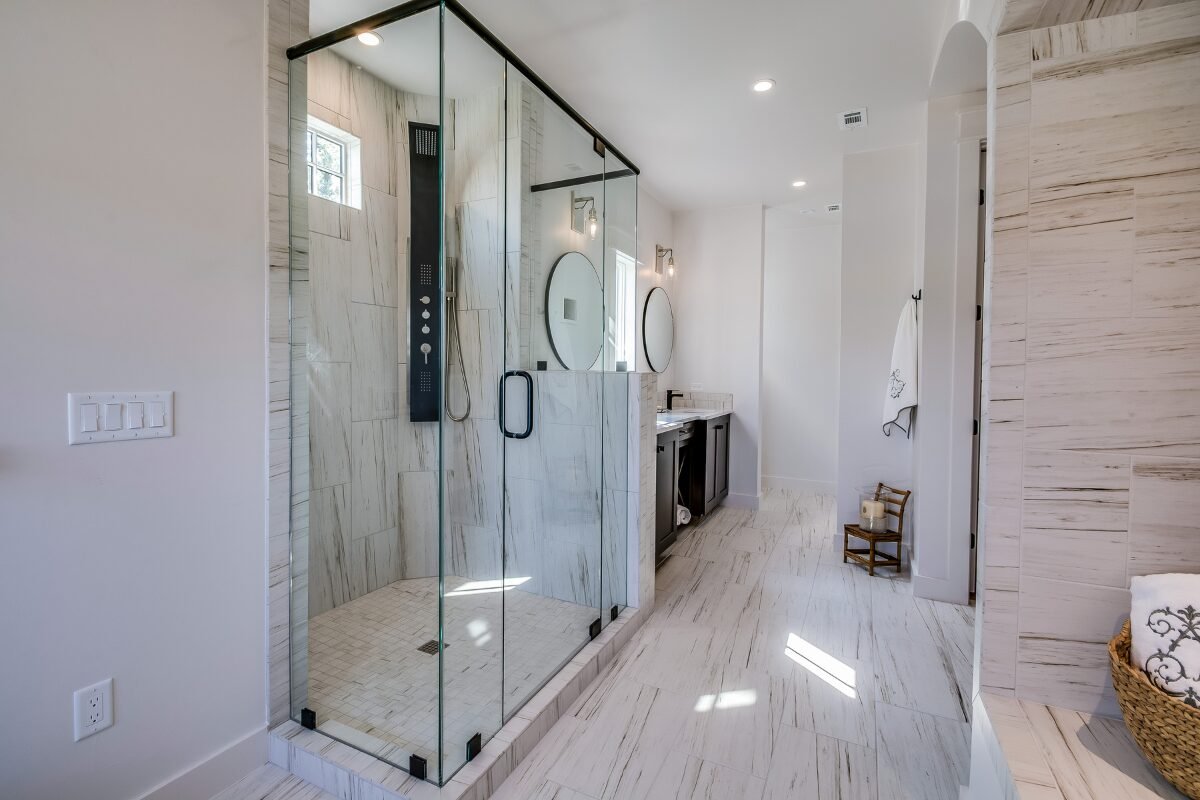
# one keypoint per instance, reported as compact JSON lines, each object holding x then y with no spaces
{"x":1164,"y":625}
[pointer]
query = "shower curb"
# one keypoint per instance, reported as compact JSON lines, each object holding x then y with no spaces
{"x":351,"y":774}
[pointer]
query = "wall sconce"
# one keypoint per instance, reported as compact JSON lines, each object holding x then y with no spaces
{"x":588,"y":223}
{"x":661,"y":252}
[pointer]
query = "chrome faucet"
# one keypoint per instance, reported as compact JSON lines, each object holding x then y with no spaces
{"x":671,"y":395}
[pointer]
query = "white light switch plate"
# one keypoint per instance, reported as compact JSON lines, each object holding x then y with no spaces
{"x":94,"y":417}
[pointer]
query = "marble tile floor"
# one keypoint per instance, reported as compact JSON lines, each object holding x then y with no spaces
{"x":770,"y":670}
{"x":270,"y":782}
{"x":372,"y":688}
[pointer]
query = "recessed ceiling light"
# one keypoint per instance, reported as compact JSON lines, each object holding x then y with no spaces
{"x":763,"y":85}
{"x":799,"y":184}
{"x":370,"y":38}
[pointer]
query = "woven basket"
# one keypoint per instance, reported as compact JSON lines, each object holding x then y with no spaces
{"x":1164,"y":728}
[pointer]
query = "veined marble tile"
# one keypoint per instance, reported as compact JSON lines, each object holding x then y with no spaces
{"x":481,"y":274}
{"x":418,"y":524}
{"x":482,"y":339}
{"x":830,"y":695}
{"x":674,"y":656}
{"x":374,"y":372}
{"x":373,"y":251}
{"x":328,"y":390}
{"x":1106,"y":150}
{"x":809,"y":766}
{"x":1012,"y":160}
{"x":372,"y":104}
{"x":919,"y":675}
{"x":1090,"y":36}
{"x":1178,"y":21}
{"x":1062,"y":654}
{"x":686,"y":777}
{"x":374,"y":461}
{"x":329,"y":81}
{"x":1113,"y":384}
{"x":1081,"y":256}
{"x":1164,"y":519}
{"x":1063,"y":11}
{"x":375,"y":561}
{"x":1006,"y":382}
{"x":1166,"y":272}
{"x":1006,"y":433}
{"x":1076,"y":503}
{"x":1020,"y":15}
{"x":1001,"y":547}
{"x":841,"y":630}
{"x":329,"y":336}
{"x":1122,"y":81}
{"x":739,"y":729}
{"x":1000,"y":611}
{"x":327,"y":218}
{"x":329,"y":549}
{"x":788,"y":559}
{"x":1091,"y":756}
{"x":921,"y":755}
{"x":478,"y":132}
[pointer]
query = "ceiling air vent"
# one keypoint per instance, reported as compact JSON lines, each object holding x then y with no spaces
{"x":833,"y":207}
{"x":855,"y":118}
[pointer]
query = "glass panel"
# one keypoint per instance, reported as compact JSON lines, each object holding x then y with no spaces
{"x":365,"y":475}
{"x":473,"y":225}
{"x":327,"y":154}
{"x":553,"y":477}
{"x":328,"y":186}
{"x":620,"y":278}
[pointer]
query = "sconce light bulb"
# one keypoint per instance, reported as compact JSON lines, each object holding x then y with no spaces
{"x":593,"y":223}
{"x":671,"y":266}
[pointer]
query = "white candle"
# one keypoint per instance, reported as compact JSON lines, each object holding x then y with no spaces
{"x":872,"y":509}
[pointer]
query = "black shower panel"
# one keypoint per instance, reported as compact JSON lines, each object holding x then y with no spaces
{"x":425,"y":306}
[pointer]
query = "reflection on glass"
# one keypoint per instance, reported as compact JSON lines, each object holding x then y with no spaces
{"x":574,"y":311}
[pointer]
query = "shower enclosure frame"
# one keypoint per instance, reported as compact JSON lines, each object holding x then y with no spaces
{"x":602,"y":148}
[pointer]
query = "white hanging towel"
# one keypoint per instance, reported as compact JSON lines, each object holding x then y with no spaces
{"x":900,"y":400}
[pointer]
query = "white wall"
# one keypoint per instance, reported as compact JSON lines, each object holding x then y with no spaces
{"x":718,"y":330}
{"x":802,"y":267}
{"x":134,"y":258}
{"x":942,"y":439}
{"x":879,"y":249}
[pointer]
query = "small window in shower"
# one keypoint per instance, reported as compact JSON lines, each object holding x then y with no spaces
{"x":333,"y":164}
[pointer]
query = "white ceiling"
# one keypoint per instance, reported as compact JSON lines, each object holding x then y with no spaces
{"x":668,"y":83}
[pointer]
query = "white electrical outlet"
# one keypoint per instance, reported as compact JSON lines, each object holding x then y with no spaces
{"x":93,"y":709}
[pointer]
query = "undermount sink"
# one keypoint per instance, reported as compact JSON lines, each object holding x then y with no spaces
{"x":669,"y":416}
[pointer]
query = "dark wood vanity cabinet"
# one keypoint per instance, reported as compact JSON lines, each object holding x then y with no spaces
{"x":698,"y":453}
{"x":716,"y":462}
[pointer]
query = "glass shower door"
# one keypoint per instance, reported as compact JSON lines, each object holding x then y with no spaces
{"x":552,"y":391}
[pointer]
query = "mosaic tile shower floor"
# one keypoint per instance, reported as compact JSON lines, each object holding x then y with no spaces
{"x":371,"y":687}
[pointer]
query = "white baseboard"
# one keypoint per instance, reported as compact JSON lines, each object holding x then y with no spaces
{"x":216,"y":772}
{"x":937,"y":589}
{"x":798,"y":484}
{"x":748,"y":501}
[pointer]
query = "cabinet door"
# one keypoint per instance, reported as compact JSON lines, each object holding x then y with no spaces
{"x":664,"y":516}
{"x":721,"y":455}
{"x":710,"y":465}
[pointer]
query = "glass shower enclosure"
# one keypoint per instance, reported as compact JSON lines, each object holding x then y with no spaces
{"x":462,"y":305}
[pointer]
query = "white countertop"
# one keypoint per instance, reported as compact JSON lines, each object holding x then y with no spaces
{"x":678,"y":417}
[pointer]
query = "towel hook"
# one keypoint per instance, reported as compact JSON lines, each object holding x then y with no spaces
{"x":917,"y":296}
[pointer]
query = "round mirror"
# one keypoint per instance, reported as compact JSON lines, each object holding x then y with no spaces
{"x":658,"y":329}
{"x":575,"y":311}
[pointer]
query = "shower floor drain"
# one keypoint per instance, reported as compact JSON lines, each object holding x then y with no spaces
{"x":430,"y":647}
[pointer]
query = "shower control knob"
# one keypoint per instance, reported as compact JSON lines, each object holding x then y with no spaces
{"x":425,"y":299}
{"x":425,"y":329}
{"x":424,"y":315}
{"x":425,"y":350}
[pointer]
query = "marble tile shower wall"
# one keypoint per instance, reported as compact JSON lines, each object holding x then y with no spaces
{"x":1093,"y":461}
{"x":716,"y":401}
{"x":373,"y":475}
